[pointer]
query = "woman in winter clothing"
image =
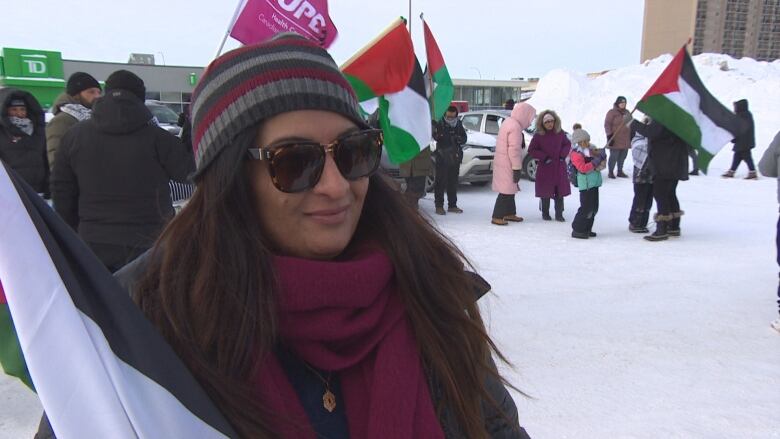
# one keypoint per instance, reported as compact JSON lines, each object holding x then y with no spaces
{"x":23,"y":138}
{"x":744,"y":142}
{"x":618,"y":138}
{"x":588,"y":160}
{"x":550,"y":146}
{"x":508,"y":162}
{"x":669,"y":164}
{"x":643,"y":186}
{"x":315,"y":302}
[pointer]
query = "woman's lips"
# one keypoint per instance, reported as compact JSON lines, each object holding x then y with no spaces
{"x":329,"y":216}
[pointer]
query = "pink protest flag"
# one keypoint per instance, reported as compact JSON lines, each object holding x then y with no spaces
{"x":262,"y":19}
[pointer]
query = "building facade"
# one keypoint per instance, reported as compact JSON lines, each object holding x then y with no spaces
{"x":740,"y":28}
{"x":44,"y":73}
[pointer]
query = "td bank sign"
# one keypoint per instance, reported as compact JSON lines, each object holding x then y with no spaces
{"x":32,"y":64}
{"x":39,"y":72}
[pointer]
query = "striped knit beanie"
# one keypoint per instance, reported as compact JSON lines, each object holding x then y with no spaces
{"x":245,"y":86}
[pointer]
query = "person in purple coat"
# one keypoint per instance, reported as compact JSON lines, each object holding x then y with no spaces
{"x":550,"y":147}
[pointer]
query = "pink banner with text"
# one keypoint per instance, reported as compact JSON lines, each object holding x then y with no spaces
{"x":262,"y":19}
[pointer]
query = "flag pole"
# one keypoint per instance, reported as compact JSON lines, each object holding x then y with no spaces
{"x":230,"y":26}
{"x":427,"y":68}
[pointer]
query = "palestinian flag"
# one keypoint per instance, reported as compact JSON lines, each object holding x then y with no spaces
{"x":442,"y":89}
{"x":405,"y":119}
{"x":99,"y":367}
{"x":680,"y":102}
{"x":384,"y":65}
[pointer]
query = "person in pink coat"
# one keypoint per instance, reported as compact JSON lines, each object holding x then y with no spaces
{"x":508,"y":162}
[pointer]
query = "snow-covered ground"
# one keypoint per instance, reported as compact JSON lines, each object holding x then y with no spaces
{"x":615,"y":337}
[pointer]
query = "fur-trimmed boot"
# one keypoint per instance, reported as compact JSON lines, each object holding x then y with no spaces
{"x":674,"y":224}
{"x":728,"y":174}
{"x":661,"y":228}
{"x":752,"y":175}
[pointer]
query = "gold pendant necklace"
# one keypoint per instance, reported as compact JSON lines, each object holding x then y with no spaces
{"x":328,"y":398}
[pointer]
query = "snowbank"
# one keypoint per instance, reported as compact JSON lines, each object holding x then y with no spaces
{"x":578,"y":98}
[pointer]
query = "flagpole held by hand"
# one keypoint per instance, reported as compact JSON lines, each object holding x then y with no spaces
{"x":238,"y":10}
{"x":624,"y":124}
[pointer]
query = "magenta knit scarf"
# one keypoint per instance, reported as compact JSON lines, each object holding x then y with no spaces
{"x":346,"y":317}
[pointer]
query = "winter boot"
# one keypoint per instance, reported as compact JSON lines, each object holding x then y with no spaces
{"x":775,"y":324}
{"x":637,"y":229}
{"x":622,"y":174}
{"x":579,"y":235}
{"x":559,"y":209}
{"x":592,"y":234}
{"x":661,"y":229}
{"x":454,"y":209}
{"x":728,"y":174}
{"x":544,"y":206}
{"x":513,"y":218}
{"x":752,"y":175}
{"x":440,"y":210}
{"x":499,"y":221}
{"x":694,"y":172}
{"x":611,"y":175}
{"x":674,"y":224}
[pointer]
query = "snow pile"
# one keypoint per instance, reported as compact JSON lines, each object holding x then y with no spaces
{"x":578,"y":98}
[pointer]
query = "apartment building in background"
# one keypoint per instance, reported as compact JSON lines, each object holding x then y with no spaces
{"x":740,"y":28}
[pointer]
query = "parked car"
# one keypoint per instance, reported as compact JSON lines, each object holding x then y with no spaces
{"x":166,"y":117}
{"x":476,"y":167}
{"x":488,"y":122}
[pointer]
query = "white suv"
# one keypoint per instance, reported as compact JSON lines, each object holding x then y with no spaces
{"x":487,"y":123}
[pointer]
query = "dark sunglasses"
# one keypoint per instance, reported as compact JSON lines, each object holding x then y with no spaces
{"x":297,"y":166}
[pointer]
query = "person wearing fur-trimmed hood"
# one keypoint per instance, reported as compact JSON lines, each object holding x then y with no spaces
{"x":550,"y":146}
{"x":508,"y":162}
{"x":22,"y":138}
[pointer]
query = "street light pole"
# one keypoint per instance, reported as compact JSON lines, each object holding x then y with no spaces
{"x":478,"y":72}
{"x":163,"y":57}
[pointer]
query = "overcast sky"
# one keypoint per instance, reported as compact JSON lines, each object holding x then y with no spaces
{"x":491,"y":39}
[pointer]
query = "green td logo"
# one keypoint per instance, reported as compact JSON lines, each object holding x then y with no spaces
{"x":34,"y":65}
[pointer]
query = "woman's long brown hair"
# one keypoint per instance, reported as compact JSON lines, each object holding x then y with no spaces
{"x":209,"y":289}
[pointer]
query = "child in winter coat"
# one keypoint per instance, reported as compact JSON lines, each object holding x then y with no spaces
{"x":589,"y":161}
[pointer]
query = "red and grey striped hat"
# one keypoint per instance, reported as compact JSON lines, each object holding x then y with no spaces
{"x":245,"y":86}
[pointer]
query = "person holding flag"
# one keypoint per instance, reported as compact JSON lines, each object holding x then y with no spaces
{"x":668,"y":155}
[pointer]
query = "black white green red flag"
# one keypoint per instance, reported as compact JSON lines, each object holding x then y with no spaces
{"x":679,"y":101}
{"x":67,"y":327}
{"x":387,"y":78}
{"x":442,"y":89}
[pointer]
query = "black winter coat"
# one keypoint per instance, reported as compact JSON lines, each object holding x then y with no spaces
{"x":111,"y":174}
{"x":747,"y":140}
{"x":25,"y":154}
{"x":500,"y":424}
{"x":668,"y":154}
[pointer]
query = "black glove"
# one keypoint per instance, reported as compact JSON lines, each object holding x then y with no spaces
{"x":516,"y":175}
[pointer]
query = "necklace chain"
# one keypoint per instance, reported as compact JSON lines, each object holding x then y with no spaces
{"x":328,"y":398}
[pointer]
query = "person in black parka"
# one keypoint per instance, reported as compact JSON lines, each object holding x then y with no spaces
{"x":668,"y":155}
{"x":111,"y":173}
{"x":23,"y":138}
{"x":744,"y":142}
